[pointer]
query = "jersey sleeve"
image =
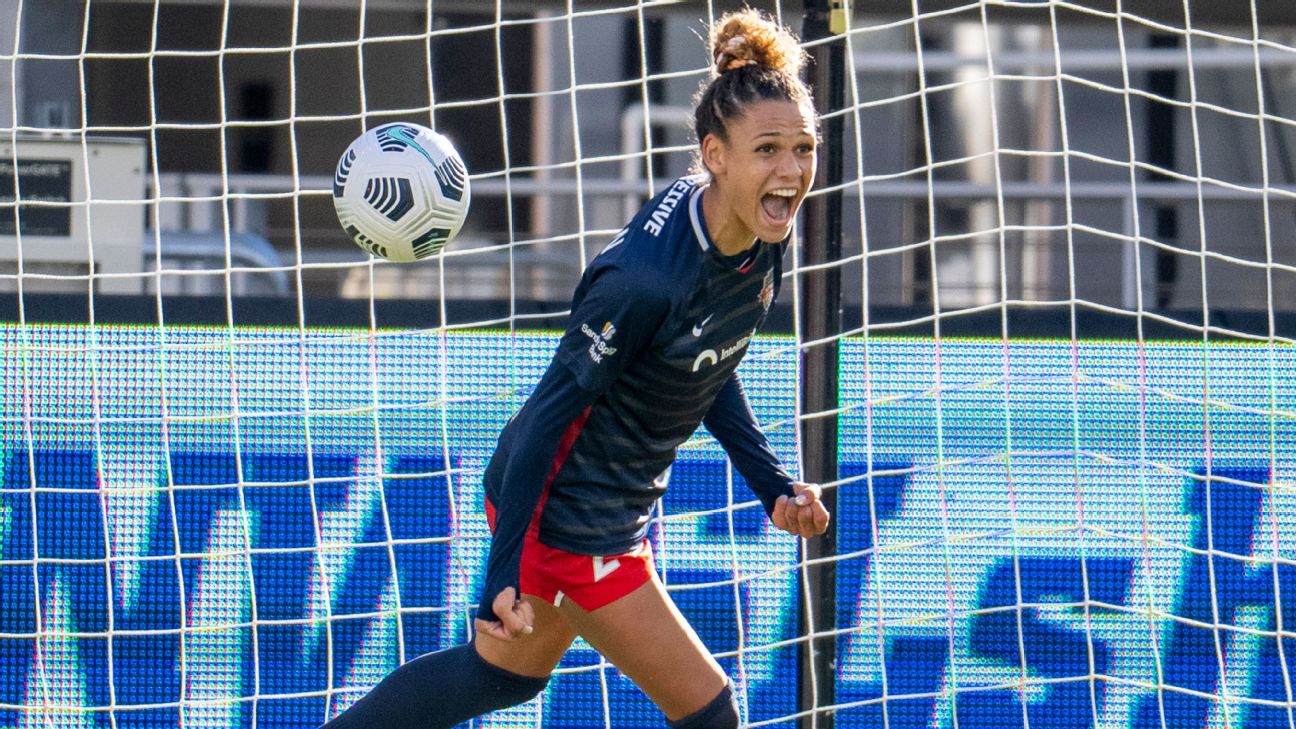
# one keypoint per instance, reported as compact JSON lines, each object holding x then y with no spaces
{"x":615,"y":313}
{"x":557,"y":403}
{"x":734,"y":425}
{"x":609,"y":325}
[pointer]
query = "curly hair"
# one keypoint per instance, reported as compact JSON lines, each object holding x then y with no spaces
{"x":755,"y":59}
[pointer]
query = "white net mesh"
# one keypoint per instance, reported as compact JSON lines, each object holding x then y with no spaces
{"x":240,"y":460}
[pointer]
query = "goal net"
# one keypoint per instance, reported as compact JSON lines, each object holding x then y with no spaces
{"x":240,"y":460}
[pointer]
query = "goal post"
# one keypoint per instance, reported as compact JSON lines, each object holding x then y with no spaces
{"x":819,"y":320}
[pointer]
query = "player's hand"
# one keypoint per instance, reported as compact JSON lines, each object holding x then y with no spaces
{"x":802,"y":514}
{"x":515,"y":617}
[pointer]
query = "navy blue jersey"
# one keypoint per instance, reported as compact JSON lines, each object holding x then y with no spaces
{"x":659,"y":322}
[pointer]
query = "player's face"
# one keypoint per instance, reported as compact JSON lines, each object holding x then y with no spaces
{"x":762,"y":173}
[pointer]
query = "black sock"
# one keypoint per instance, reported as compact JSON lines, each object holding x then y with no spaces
{"x":437,"y":691}
{"x":720,"y":713}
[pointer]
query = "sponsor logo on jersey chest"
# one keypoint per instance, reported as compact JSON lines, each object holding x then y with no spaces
{"x":710,"y":357}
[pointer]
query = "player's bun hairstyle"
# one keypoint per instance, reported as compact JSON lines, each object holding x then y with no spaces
{"x":755,"y":59}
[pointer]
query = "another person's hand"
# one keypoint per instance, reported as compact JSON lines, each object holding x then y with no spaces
{"x":515,"y":617}
{"x":802,"y":514}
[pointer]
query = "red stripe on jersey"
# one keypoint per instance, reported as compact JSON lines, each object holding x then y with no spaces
{"x":565,"y":444}
{"x":560,"y":457}
{"x":553,"y":574}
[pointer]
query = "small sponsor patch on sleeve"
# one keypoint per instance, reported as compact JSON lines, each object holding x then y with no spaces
{"x":599,"y":347}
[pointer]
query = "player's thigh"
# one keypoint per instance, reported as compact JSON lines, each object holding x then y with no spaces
{"x":647,"y":638}
{"x":536,"y":654}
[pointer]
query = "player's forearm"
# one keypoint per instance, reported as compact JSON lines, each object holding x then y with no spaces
{"x":734,"y":425}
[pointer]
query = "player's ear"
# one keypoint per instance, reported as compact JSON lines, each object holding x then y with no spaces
{"x":713,"y":154}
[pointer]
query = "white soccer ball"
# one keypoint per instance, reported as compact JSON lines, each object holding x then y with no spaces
{"x":401,"y":191}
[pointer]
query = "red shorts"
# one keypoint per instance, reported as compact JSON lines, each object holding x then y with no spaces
{"x":591,"y":582}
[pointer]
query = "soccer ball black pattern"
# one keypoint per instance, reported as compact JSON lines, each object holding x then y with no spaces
{"x":401,"y":191}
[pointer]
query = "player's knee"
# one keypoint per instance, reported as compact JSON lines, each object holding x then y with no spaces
{"x":720,"y":713}
{"x":502,"y":687}
{"x":516,"y":689}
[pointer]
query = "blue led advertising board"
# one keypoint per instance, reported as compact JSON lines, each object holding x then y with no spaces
{"x":248,"y":527}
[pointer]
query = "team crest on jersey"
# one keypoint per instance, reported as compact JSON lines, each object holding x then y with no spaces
{"x":767,"y":291}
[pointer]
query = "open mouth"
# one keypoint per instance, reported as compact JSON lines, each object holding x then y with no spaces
{"x":777,"y":204}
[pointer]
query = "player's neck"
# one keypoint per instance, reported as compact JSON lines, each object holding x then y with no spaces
{"x":729,"y":236}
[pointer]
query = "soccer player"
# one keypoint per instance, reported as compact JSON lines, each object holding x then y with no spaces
{"x":659,"y":322}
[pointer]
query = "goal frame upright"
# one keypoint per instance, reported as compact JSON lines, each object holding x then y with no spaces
{"x":820,"y":317}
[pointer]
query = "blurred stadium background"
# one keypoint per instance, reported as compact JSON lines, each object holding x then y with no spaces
{"x":241,"y":109}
